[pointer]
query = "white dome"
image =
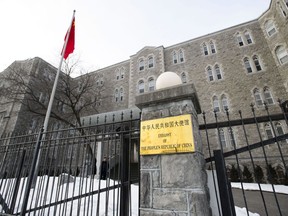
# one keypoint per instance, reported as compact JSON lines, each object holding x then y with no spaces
{"x":167,"y":79}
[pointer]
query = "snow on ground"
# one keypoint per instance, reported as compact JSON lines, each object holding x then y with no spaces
{"x":264,"y":187}
{"x":80,"y":186}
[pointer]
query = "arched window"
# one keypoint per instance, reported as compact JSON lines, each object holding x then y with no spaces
{"x":268,"y":96}
{"x":257,"y":63}
{"x":151,"y":84}
{"x":150,"y":62}
{"x":183,"y":77}
{"x":247,"y":65}
{"x":121,"y":94}
{"x":141,"y":64}
{"x":175,"y":59}
{"x":268,"y":131}
{"x":270,"y":28}
{"x":224,"y":102}
{"x":239,"y":39}
{"x":258,"y":97}
{"x":248,"y":37}
{"x":116,"y":95}
{"x":141,"y":86}
{"x":205,"y":50}
{"x":117,"y":74}
{"x":278,"y":128}
{"x":122,"y":73}
{"x":216,"y":106}
{"x":181,"y":55}
{"x":212,"y":47}
{"x":210,"y":73}
{"x":218,"y":72}
{"x":281,"y":54}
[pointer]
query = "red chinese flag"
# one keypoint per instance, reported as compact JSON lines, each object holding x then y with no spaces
{"x":71,"y":41}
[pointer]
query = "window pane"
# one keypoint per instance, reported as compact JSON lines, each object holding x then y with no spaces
{"x":216,"y":104}
{"x":141,"y":65}
{"x":181,"y":56}
{"x":175,"y":58}
{"x":210,"y":74}
{"x":218,"y":72}
{"x":247,"y":65}
{"x":279,"y":129}
{"x":240,"y":41}
{"x":248,"y":38}
{"x":268,"y":97}
{"x":257,"y":63}
{"x":269,"y":133}
{"x":150,"y":62}
{"x":205,"y":49}
{"x":141,"y":86}
{"x":222,"y":138}
{"x":151,"y":84}
{"x":212,"y":47}
{"x":258,"y":99}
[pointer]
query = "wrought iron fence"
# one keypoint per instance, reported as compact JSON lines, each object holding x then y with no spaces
{"x":82,"y":171}
{"x":248,"y":150}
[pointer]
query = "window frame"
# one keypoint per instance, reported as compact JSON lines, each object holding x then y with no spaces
{"x":150,"y":62}
{"x":270,"y":28}
{"x":141,"y":64}
{"x":281,"y":53}
{"x":141,"y":84}
{"x":151,"y":84}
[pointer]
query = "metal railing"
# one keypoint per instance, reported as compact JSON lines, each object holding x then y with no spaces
{"x":253,"y":150}
{"x":80,"y":171}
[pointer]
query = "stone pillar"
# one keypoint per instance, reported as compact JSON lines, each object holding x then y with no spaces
{"x":173,"y":184}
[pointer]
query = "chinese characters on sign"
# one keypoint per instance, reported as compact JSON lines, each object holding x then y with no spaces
{"x":167,"y":135}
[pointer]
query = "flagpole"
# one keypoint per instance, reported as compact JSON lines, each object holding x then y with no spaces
{"x":36,"y":159}
{"x":48,"y":112}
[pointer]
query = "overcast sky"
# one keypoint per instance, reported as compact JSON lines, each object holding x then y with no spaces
{"x":110,"y":31}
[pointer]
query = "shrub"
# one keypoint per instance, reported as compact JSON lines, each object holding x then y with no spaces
{"x":247,"y":176}
{"x":259,"y":175}
{"x":234,"y":176}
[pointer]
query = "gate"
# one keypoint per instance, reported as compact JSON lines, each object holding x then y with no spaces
{"x":248,"y":150}
{"x":82,"y":171}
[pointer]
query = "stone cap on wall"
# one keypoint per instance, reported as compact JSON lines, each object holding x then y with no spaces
{"x":173,"y":94}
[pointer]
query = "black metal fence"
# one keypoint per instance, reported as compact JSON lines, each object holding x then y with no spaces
{"x":248,"y":150}
{"x":82,"y":171}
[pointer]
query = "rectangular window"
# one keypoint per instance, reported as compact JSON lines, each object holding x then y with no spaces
{"x":271,"y":32}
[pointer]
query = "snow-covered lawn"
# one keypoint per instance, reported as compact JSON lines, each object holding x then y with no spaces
{"x":56,"y":192}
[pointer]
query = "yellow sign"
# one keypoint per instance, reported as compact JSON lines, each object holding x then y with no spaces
{"x":167,"y":135}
